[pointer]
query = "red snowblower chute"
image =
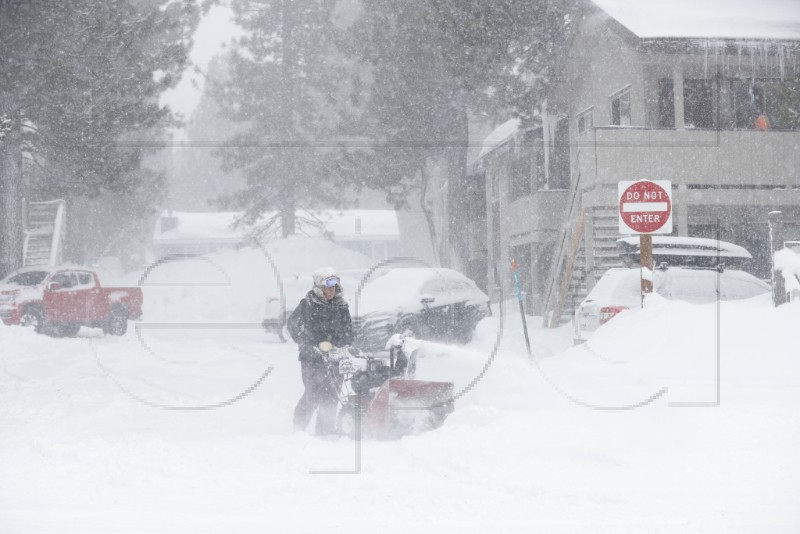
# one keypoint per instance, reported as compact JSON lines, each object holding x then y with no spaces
{"x":382,"y":400}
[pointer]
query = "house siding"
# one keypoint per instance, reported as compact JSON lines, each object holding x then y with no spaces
{"x":726,"y":179}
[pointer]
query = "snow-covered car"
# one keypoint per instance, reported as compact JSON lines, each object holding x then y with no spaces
{"x":619,"y":289}
{"x":429,"y":303}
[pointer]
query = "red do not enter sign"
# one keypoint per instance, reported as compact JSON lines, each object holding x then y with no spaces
{"x":645,"y":207}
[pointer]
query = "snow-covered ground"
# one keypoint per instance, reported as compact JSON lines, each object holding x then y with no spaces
{"x":653,"y":426}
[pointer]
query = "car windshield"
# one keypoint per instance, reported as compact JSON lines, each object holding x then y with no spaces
{"x":742,"y":288}
{"x":28,"y":278}
{"x":699,"y":288}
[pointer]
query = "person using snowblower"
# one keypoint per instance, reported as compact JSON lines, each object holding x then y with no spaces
{"x":322,"y":315}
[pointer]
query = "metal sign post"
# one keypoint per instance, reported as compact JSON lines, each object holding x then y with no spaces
{"x":646,"y":263}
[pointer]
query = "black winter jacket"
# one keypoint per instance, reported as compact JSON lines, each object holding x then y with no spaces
{"x":315,"y":320}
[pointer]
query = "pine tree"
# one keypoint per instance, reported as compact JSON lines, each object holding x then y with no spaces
{"x":80,"y":83}
{"x":287,"y":88}
{"x":436,"y":62}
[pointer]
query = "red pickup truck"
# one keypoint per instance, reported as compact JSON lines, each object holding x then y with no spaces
{"x":61,"y":299}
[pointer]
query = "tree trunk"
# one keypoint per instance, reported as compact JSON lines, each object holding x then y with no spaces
{"x":286,"y":154}
{"x":425,"y":179}
{"x":287,"y":219}
{"x":10,"y":192}
{"x":457,"y":199}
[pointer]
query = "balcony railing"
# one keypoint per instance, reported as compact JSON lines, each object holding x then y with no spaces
{"x":732,"y":158}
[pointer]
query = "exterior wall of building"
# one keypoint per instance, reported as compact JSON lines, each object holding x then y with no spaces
{"x":726,"y":175}
{"x":523,"y":217}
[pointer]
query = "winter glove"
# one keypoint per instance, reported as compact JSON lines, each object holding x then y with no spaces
{"x":346,"y":366}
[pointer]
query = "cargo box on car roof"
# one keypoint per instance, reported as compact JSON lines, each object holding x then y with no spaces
{"x":685,"y":252}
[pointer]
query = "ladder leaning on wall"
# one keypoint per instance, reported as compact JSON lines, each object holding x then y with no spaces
{"x":44,"y":233}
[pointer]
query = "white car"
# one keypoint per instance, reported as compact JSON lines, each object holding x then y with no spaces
{"x":620,"y":289}
{"x":429,"y":303}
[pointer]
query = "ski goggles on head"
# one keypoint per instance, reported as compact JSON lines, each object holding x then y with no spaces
{"x":332,"y":281}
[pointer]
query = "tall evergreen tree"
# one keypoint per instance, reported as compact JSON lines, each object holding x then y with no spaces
{"x":287,"y":88}
{"x":80,"y":83}
{"x":433,"y":63}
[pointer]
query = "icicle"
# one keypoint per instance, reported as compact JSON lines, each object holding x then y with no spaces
{"x":739,"y":66}
{"x":781,"y":66}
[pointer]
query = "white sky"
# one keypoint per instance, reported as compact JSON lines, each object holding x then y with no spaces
{"x":776,"y":19}
{"x":214,"y":31}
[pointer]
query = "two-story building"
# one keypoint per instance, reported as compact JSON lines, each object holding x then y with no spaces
{"x":716,"y":114}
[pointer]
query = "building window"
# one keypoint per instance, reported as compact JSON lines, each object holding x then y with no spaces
{"x":585,"y":121}
{"x":699,"y":104}
{"x":666,"y":103}
{"x":519,"y":178}
{"x":765,"y":97}
{"x":559,"y":156}
{"x":621,"y":107}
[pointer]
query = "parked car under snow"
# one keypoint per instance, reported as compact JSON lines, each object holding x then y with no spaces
{"x":619,"y":289}
{"x":429,"y":303}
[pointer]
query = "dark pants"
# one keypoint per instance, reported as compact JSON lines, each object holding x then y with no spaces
{"x":321,"y":394}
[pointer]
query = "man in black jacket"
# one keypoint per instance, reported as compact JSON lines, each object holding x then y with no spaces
{"x":322,"y":315}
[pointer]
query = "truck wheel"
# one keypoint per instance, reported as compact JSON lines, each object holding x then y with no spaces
{"x":33,"y":317}
{"x":117,"y":322}
{"x":68,"y":330}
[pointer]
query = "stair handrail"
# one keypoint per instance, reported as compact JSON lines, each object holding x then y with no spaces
{"x":548,"y":317}
{"x":58,"y":228}
{"x":567,"y":272}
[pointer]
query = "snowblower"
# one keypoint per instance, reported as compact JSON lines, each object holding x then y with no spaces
{"x":382,"y":400}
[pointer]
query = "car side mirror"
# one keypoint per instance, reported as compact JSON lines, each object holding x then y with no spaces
{"x":427,"y":299}
{"x":53,"y":286}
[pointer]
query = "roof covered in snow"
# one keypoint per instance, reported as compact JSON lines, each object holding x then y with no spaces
{"x":499,"y":135}
{"x":745,"y":19}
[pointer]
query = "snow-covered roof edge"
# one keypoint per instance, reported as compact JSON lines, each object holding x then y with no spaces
{"x":499,"y":136}
{"x":724,"y":19}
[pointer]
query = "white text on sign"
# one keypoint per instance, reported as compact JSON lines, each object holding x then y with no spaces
{"x":644,"y":195}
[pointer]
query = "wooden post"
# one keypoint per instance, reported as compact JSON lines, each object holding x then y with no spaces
{"x":776,"y":244}
{"x":646,"y":262}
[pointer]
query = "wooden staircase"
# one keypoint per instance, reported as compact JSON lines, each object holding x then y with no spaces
{"x":570,"y":279}
{"x":567,"y":278}
{"x":605,"y":224}
{"x":44,"y":233}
